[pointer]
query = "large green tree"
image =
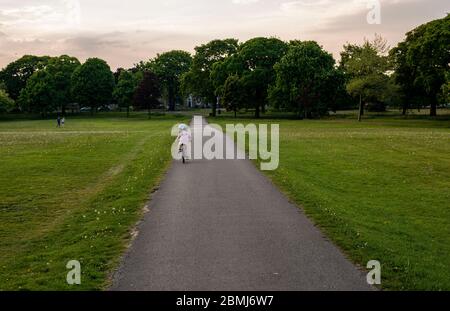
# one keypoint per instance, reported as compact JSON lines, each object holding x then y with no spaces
{"x":422,"y":61}
{"x":16,"y":74}
{"x":306,"y":80}
{"x":61,"y":70}
{"x":405,"y":76}
{"x":39,"y":93}
{"x":169,"y":67}
{"x":233,"y":95}
{"x":367,"y":72}
{"x":93,"y":84}
{"x":125,"y":88}
{"x":376,"y":89}
{"x":197,"y":81}
{"x":49,"y":88}
{"x":147,"y":93}
{"x":254,"y":64}
{"x":221,"y":70}
{"x":259,"y":55}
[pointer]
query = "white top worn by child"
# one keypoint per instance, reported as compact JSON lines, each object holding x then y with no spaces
{"x":184,"y":137}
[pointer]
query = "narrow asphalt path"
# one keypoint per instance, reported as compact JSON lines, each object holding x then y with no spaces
{"x":222,"y":225}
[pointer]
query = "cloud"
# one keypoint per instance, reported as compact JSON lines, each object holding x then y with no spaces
{"x":124,"y":33}
{"x":65,"y":13}
{"x":94,"y":42}
{"x":397,"y":18}
{"x":321,"y":9}
{"x":73,"y":12}
{"x":27,"y":14}
{"x":301,"y":4}
{"x":118,"y":48}
{"x":245,"y":1}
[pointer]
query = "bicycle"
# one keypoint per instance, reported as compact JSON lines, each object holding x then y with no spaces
{"x":182,"y":150}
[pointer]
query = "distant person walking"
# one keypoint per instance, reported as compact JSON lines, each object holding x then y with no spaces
{"x":63,"y":120}
{"x":58,"y":121}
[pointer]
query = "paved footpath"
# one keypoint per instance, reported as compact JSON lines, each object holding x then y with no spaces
{"x":222,"y":225}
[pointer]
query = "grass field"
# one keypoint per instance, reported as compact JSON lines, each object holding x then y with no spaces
{"x":379,"y":189}
{"x":74,"y":193}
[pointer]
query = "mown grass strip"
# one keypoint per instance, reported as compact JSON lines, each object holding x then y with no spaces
{"x":378,"y":189}
{"x":75,"y":196}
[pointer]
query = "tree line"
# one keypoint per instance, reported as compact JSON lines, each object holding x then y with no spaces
{"x":295,"y":76}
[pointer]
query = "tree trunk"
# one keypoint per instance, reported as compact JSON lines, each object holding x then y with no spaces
{"x":214,"y":107}
{"x":405,"y":107}
{"x":299,"y":110}
{"x":257,"y":112}
{"x":306,"y":108}
{"x":361,"y":109}
{"x":171,"y":100}
{"x":433,"y":107}
{"x":235,"y":112}
{"x":63,"y":110}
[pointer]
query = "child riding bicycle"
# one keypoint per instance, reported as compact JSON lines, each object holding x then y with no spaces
{"x":184,"y":138}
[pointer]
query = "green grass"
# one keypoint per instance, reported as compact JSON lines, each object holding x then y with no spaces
{"x":74,"y":193}
{"x":413,"y":114}
{"x":379,"y":189}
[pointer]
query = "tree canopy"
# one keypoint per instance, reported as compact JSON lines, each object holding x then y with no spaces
{"x":38,"y":94}
{"x":93,"y":84}
{"x":197,"y":81}
{"x":422,"y":61}
{"x":169,"y":67}
{"x":6,"y":103}
{"x":49,"y":88}
{"x":367,"y":69}
{"x":308,"y":78}
{"x":16,"y":74}
{"x":254,"y":65}
{"x":233,"y":95}
{"x":147,"y":93}
{"x":126,"y":86}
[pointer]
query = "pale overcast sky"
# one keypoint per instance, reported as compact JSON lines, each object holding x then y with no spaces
{"x":124,"y":32}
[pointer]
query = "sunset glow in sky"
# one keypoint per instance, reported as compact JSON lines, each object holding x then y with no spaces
{"x":125,"y":32}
